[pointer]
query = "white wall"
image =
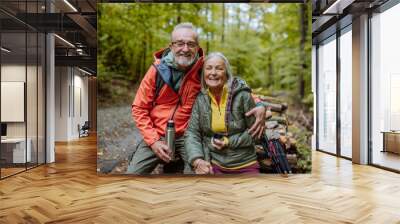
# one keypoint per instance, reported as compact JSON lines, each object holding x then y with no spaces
{"x":62,"y":81}
{"x":13,"y":72}
{"x":71,"y":87}
{"x":33,"y":126}
{"x":80,"y":109}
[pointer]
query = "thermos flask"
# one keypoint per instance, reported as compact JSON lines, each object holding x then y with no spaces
{"x":170,"y":136}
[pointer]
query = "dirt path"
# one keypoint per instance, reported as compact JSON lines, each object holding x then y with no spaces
{"x":117,"y":139}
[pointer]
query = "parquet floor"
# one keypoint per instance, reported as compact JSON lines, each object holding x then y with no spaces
{"x":70,"y":191}
{"x":387,"y":159}
{"x":9,"y":171}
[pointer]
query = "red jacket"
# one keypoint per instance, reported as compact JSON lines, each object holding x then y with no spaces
{"x":151,"y":120}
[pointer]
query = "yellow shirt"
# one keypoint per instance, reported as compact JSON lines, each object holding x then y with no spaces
{"x":218,"y":111}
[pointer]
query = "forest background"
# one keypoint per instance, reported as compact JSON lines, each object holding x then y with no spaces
{"x":268,"y":45}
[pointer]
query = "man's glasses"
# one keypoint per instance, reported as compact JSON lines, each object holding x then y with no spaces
{"x":181,"y":44}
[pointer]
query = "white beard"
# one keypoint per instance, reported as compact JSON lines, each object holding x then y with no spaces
{"x":183,"y":61}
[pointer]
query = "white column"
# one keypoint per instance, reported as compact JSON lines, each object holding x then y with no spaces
{"x":50,"y":94}
{"x":360,"y":90}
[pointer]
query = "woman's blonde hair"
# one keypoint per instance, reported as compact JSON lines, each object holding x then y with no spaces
{"x":228,"y":71}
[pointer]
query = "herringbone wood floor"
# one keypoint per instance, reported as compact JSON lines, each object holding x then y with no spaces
{"x":70,"y":191}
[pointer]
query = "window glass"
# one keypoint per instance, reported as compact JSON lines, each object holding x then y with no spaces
{"x":327,"y":96}
{"x":385,"y":88}
{"x":346,"y":94}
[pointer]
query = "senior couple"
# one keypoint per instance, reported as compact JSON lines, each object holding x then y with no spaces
{"x":215,"y":116}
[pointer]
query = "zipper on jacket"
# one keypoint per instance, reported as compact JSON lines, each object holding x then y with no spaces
{"x":185,"y":76}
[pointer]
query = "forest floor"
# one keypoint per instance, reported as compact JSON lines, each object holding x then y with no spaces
{"x":117,"y":139}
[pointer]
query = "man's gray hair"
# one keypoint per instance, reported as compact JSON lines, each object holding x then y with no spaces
{"x":228,"y":70}
{"x":186,"y":26}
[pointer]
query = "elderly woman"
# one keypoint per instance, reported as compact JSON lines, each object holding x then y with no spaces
{"x":217,"y":139}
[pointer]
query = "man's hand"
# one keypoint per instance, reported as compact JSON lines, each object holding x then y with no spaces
{"x":202,"y":167}
{"x":257,"y":130}
{"x":161,"y":150}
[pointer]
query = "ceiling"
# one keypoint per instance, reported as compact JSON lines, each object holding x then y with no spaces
{"x":327,"y":13}
{"x":74,"y":22}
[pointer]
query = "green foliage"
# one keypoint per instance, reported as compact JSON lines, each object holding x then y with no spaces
{"x":302,"y":137}
{"x":261,"y":41}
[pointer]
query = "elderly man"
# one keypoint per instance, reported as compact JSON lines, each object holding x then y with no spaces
{"x":168,"y":92}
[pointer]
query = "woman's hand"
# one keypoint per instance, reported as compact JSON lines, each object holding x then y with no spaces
{"x":219,"y":143}
{"x":202,"y":167}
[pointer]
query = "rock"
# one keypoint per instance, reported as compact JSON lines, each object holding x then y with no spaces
{"x":275,"y":107}
{"x":106,"y":166}
{"x":279,"y":119}
{"x":271,"y":124}
{"x":292,"y":159}
{"x":292,"y":141}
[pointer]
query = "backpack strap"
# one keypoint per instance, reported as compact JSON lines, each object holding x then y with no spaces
{"x":176,"y":107}
{"x":159,"y":84}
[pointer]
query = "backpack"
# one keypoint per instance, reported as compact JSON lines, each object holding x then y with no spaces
{"x":274,"y":150}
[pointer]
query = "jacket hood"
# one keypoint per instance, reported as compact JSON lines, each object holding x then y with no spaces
{"x":238,"y":85}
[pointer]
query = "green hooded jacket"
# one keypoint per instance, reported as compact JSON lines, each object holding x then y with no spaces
{"x":240,"y":149}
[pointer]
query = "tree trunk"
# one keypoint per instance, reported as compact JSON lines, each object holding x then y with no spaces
{"x":302,"y":53}
{"x":178,"y":13}
{"x":250,"y":18}
{"x":138,"y":67}
{"x":208,"y":32}
{"x":270,"y":71}
{"x":143,"y":52}
{"x":211,"y":22}
{"x":223,"y":24}
{"x":238,"y":17}
{"x":143,"y":64}
{"x":133,"y":68}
